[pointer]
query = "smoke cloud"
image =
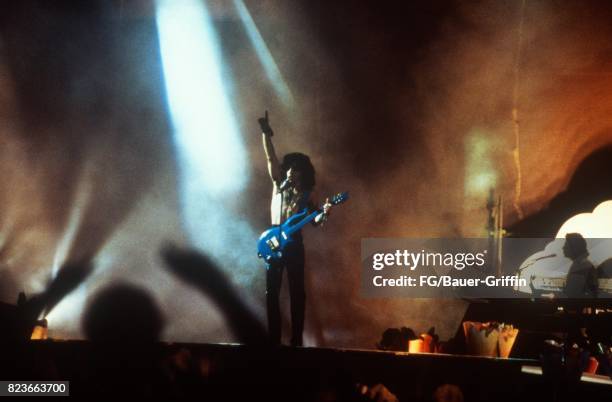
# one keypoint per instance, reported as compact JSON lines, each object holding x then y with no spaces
{"x":409,"y":107}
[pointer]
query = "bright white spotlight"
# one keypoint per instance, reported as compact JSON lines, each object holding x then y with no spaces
{"x":204,"y":125}
{"x":265,"y":57}
{"x":212,"y":159}
{"x":591,"y":225}
{"x":62,"y":317}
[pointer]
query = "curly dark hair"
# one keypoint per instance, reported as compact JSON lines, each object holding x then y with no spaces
{"x":301,"y":163}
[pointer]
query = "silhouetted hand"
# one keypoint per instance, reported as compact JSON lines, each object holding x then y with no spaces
{"x":264,"y":123}
{"x":199,"y":271}
{"x":196,"y":269}
{"x":67,"y":279}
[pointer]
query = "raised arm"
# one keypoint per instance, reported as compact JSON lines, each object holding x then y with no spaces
{"x":273,"y":164}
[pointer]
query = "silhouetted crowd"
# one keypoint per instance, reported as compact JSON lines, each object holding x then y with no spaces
{"x":124,"y":356}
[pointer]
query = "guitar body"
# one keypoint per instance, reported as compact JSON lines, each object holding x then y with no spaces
{"x":273,"y":241}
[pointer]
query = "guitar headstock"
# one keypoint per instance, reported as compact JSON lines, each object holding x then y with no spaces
{"x":339,"y":198}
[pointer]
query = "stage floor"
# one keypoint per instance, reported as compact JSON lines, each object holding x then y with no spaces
{"x":229,"y":371}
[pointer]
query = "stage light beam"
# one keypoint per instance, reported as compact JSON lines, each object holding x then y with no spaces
{"x":212,"y":158}
{"x":204,"y":125}
{"x":265,"y":57}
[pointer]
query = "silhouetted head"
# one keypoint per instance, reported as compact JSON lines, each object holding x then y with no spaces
{"x":299,"y":169}
{"x":575,"y":246}
{"x":122,"y":312}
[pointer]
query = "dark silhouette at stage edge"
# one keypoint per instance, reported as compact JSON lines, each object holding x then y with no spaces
{"x":590,"y":185}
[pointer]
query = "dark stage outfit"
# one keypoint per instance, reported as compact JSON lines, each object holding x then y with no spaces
{"x":580,"y":285}
{"x":285,"y":204}
{"x":581,"y":279}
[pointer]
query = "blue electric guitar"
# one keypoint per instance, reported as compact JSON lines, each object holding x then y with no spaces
{"x":273,"y":241}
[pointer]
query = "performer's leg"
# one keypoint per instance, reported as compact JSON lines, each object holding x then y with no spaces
{"x":295,"y":275}
{"x":274,"y":276}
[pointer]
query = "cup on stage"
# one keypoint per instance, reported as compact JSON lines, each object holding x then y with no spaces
{"x":415,"y":346}
{"x":427,"y":343}
{"x":592,"y":366}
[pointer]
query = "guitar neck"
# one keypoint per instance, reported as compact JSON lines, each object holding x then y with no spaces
{"x":302,"y":222}
{"x":337,"y":199}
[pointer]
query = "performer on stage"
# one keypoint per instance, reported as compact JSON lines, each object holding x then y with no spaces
{"x":293,"y":181}
{"x":581,"y":279}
